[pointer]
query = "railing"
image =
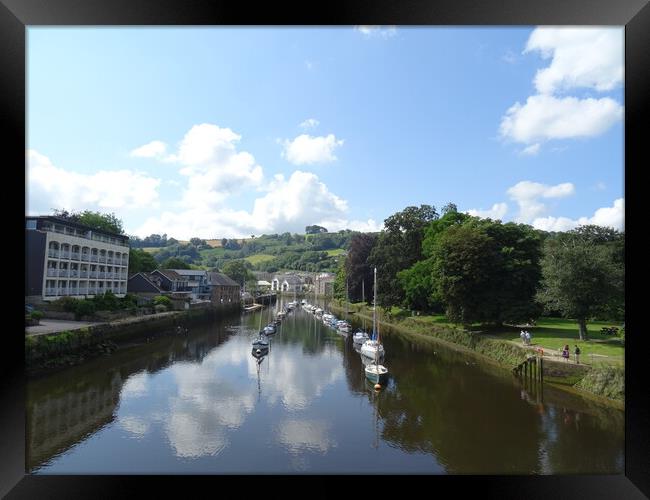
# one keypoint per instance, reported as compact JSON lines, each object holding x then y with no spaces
{"x":101,"y":275}
{"x":102,"y":259}
{"x":50,"y":291}
{"x":93,"y":258}
{"x":74,"y":274}
{"x":63,"y":272}
{"x":91,"y":291}
{"x":65,"y":255}
{"x":52,"y":272}
{"x":53,"y":253}
{"x":75,"y":255}
{"x":85,"y":256}
{"x":83,"y":274}
{"x":93,"y":274}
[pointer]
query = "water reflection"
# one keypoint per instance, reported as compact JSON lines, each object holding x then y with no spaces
{"x":205,"y":403}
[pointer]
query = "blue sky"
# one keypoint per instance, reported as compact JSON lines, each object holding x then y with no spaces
{"x":226,"y":132}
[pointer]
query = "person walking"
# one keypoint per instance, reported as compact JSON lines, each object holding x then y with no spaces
{"x":523,"y":337}
{"x":565,"y":352}
{"x":528,"y":337}
{"x":577,"y":353}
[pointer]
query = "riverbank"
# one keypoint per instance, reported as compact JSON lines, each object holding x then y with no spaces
{"x":603,"y":383}
{"x":45,"y":353}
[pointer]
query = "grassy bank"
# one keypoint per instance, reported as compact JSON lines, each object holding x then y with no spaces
{"x":604,"y":378}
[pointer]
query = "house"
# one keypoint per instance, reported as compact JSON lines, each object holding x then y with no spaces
{"x":169,"y":280}
{"x":223,"y":290}
{"x":287,"y":283}
{"x":143,"y":287}
{"x":197,"y":282}
{"x":68,"y":259}
{"x":324,"y":284}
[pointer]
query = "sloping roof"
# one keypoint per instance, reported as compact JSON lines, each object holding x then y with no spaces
{"x":170,"y":274}
{"x":263,"y":283}
{"x":292,"y":280}
{"x":145,"y":279}
{"x":189,"y":272}
{"x":221,"y":279}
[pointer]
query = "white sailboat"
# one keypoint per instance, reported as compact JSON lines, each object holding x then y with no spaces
{"x":374,"y":349}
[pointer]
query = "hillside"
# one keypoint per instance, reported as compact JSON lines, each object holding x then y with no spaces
{"x":270,"y":253}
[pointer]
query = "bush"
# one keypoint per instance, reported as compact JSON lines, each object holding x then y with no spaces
{"x":37,"y":315}
{"x":162,"y":300}
{"x":67,"y":304}
{"x":160,"y":308}
{"x":84,"y":308}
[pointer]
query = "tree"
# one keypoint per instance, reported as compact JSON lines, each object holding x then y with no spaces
{"x":339,"y":281}
{"x":357,"y":268}
{"x":238,"y":270}
{"x":174,"y":263}
{"x":141,"y":261}
{"x":197,"y":242}
{"x":315,"y":229}
{"x":582,"y":274}
{"x":95,"y":220}
{"x":398,"y":247}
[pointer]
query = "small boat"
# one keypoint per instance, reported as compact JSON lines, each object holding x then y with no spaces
{"x":261,"y":343}
{"x":373,"y":349}
{"x":269,"y":329}
{"x":376,"y":373}
{"x":360,"y":337}
{"x":260,"y":351}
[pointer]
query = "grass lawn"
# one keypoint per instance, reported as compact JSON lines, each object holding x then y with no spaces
{"x":259,"y":257}
{"x":336,"y":251}
{"x":553,"y":333}
{"x":151,"y":249}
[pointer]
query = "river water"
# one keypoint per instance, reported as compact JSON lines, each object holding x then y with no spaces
{"x":201,"y":403}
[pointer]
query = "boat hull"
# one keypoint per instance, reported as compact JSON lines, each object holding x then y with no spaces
{"x":377,"y":374}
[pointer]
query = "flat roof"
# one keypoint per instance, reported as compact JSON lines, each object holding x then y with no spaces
{"x":78,"y":225}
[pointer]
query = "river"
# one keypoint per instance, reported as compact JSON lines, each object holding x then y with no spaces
{"x":201,"y":403}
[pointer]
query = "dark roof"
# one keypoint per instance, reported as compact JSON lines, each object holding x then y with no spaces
{"x":61,"y":220}
{"x":146,"y":279}
{"x":221,"y":279}
{"x":170,"y":274}
{"x":292,"y":280}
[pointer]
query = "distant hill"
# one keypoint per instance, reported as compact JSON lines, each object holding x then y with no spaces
{"x":269,"y":253}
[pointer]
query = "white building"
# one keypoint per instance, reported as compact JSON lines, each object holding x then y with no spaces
{"x":65,"y":258}
{"x":287,"y":283}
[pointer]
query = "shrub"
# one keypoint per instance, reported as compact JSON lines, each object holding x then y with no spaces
{"x":162,"y":300}
{"x":67,"y":304}
{"x":37,"y":315}
{"x":84,"y":308}
{"x":160,"y":308}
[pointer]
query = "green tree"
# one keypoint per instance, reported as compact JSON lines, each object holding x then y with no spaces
{"x":358,"y":270}
{"x":398,"y":247}
{"x":238,"y":271}
{"x":315,"y":229}
{"x":582,"y":274}
{"x":141,"y":261}
{"x":339,"y":281}
{"x":174,"y":263}
{"x":95,"y":220}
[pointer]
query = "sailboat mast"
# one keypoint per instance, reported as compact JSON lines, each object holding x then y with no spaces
{"x":374,"y":306}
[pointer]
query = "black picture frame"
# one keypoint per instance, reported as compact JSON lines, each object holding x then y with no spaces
{"x":16,"y":15}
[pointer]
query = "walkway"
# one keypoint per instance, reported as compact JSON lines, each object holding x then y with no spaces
{"x":56,"y":325}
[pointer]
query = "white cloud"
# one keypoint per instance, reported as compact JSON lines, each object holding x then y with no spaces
{"x":497,"y":212}
{"x":306,"y":149}
{"x":309,"y":123}
{"x":580,"y":57}
{"x":290,"y":205}
{"x":526,"y":194}
{"x":209,"y":158}
{"x":531,"y":150}
{"x":377,"y":31}
{"x":50,"y":187}
{"x":154,"y":149}
{"x":613,"y":217}
{"x":545,"y":117}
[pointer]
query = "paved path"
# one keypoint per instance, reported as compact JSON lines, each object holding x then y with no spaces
{"x":56,"y":325}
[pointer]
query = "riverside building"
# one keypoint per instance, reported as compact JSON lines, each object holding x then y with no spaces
{"x":64,"y":258}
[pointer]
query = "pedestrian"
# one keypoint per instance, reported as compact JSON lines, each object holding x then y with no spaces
{"x":528,"y":337}
{"x":565,"y":352}
{"x":577,"y":353}
{"x":523,"y":337}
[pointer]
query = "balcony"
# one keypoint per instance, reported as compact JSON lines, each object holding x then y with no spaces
{"x":65,"y":255}
{"x":74,"y":273}
{"x":109,"y":260}
{"x":63,"y":272}
{"x":101,"y":275}
{"x":93,"y":274}
{"x":85,"y":257}
{"x":75,"y":255}
{"x":94,"y":258}
{"x":50,"y":291}
{"x":91,"y":291}
{"x":83,"y":291}
{"x":102,"y":260}
{"x":53,"y":253}
{"x":52,"y":272}
{"x":83,"y":274}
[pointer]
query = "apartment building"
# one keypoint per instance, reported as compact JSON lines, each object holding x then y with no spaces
{"x":64,"y":258}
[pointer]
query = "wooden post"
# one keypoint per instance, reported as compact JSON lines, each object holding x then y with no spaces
{"x":541,"y":370}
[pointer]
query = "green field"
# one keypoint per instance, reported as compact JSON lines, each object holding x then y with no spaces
{"x":260,"y":257}
{"x":336,"y":251}
{"x":151,"y":249}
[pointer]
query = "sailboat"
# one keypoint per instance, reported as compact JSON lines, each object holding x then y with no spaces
{"x":373,"y":348}
{"x":262,"y":342}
